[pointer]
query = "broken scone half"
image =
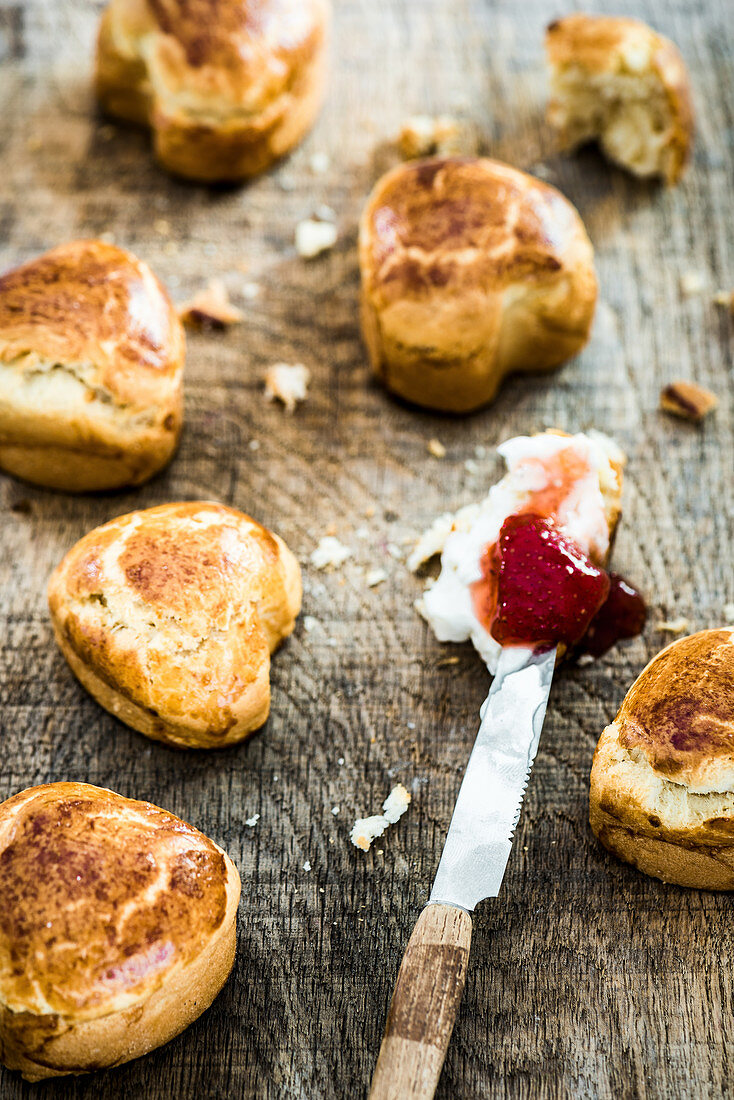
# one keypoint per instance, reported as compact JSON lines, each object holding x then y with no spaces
{"x":168,"y":617}
{"x":662,"y":782}
{"x":616,"y":81}
{"x":226,"y":86}
{"x":117,"y":928}
{"x":91,"y":370}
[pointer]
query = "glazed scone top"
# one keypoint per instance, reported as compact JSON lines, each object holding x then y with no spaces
{"x":679,"y":715}
{"x":178,"y":607}
{"x":102,"y":897}
{"x":606,"y":43}
{"x":212,"y":57}
{"x":98,"y":311}
{"x":451,"y":225}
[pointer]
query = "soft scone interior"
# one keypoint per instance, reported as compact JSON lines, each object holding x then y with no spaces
{"x":627,"y":110}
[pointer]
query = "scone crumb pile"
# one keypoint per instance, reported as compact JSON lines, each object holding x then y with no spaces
{"x":330,"y":553}
{"x":210,"y":308}
{"x":287,"y":383}
{"x":444,"y":136}
{"x":367,"y":829}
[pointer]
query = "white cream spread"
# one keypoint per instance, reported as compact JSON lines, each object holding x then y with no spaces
{"x":462,"y":538}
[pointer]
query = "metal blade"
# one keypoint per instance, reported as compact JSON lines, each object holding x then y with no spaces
{"x":488,"y":807}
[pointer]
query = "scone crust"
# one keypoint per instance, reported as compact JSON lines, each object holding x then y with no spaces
{"x":662,"y":781}
{"x":117,"y":928}
{"x":227,"y":86}
{"x":470,"y":270}
{"x":598,"y":43}
{"x":168,"y":617}
{"x":91,"y":368}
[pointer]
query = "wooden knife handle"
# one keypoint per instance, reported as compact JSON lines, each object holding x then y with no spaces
{"x":424,"y":1006}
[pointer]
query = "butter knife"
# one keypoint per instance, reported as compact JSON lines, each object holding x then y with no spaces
{"x":430,"y":982}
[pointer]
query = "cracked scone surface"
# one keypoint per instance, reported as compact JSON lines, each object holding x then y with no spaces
{"x":117,"y":928}
{"x":168,"y":617}
{"x":91,"y":367}
{"x":662,"y":782}
{"x":616,"y":80}
{"x":471,"y":270}
{"x":226,"y":86}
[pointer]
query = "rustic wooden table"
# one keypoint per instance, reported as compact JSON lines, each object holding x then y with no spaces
{"x":586,"y":979}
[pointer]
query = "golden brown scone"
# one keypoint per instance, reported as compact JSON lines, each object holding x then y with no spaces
{"x":91,"y":366}
{"x":117,"y":928}
{"x":662,"y":782}
{"x":168,"y":618}
{"x":616,"y":81}
{"x":470,"y":270}
{"x":227,"y":86}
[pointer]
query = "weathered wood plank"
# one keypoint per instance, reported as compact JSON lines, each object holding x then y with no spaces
{"x":585,"y":979}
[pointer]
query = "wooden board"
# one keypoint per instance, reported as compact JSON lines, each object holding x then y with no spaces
{"x":585,"y":978}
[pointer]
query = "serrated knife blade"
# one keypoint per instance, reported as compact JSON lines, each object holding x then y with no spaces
{"x":431,"y":978}
{"x":487,"y":810}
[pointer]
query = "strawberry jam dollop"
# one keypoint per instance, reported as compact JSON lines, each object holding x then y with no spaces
{"x":548,"y":590}
{"x":539,"y":588}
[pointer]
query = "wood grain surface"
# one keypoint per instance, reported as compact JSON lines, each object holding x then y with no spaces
{"x":585,"y":978}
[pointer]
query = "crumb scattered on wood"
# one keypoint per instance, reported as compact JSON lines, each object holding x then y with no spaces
{"x":210,"y":308}
{"x":674,"y":626}
{"x":307,"y":866}
{"x":367,"y":829}
{"x":725,"y":298}
{"x":251,"y":822}
{"x":309,"y":623}
{"x":688,"y":400}
{"x":251,"y":291}
{"x":319,"y":163}
{"x":729,"y":612}
{"x":330,"y":553}
{"x":375,"y":577}
{"x":436,"y":448}
{"x":314,"y":237}
{"x":287,"y":383}
{"x":424,"y":136}
{"x":691,"y":284}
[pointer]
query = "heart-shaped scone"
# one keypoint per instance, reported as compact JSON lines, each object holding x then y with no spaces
{"x":471,"y":270}
{"x":227,"y":86}
{"x":662,"y":783}
{"x":168,"y":617}
{"x":91,"y":366}
{"x":117,"y":928}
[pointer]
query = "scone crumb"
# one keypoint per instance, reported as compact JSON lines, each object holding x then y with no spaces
{"x":674,"y":626}
{"x":367,"y":829}
{"x":287,"y":383}
{"x":725,"y":298}
{"x":688,"y":400}
{"x":691,"y":284}
{"x":375,"y":577}
{"x":729,"y":612}
{"x":314,"y":237}
{"x":436,"y":448}
{"x":330,"y":553}
{"x":251,"y":291}
{"x":443,"y":136}
{"x":307,"y":865}
{"x":210,"y":308}
{"x":319,"y":163}
{"x":309,"y":623}
{"x":251,"y":822}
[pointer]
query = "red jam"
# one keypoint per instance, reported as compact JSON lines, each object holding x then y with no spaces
{"x":539,"y":588}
